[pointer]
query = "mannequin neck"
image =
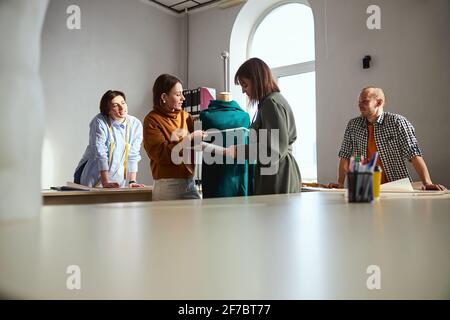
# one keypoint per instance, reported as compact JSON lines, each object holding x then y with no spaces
{"x":224,"y":96}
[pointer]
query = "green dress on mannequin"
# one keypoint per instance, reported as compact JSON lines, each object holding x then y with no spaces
{"x":226,"y":180}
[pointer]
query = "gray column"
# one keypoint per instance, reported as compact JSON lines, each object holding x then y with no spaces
{"x":21,"y":107}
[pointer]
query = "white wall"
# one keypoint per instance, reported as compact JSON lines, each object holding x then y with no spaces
{"x":122,"y":45}
{"x":209,"y":36}
{"x":411,"y":61}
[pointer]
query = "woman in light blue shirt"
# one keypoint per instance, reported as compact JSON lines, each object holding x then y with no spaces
{"x":113,"y":152}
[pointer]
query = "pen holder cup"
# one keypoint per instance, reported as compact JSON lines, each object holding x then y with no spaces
{"x":360,"y":186}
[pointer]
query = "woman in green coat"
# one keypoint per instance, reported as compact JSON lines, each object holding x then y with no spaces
{"x":281,"y":174}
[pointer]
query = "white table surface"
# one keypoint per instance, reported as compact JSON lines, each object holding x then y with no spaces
{"x":303,"y":246}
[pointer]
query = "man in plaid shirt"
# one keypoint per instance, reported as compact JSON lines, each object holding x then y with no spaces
{"x":391,"y":135}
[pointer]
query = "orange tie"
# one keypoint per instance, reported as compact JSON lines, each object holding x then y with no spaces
{"x":372,"y":148}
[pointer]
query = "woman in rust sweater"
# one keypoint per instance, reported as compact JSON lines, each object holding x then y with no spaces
{"x":168,"y":131}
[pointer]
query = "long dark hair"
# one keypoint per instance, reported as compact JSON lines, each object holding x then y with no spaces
{"x":163,"y":84}
{"x":106,"y":99}
{"x":260,"y":77}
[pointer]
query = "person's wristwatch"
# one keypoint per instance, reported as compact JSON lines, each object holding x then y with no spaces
{"x":131,"y":181}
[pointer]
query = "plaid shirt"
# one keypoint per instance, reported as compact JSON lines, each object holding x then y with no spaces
{"x":395,"y":140}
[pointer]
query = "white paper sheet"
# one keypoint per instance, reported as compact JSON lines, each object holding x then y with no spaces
{"x":398,"y":185}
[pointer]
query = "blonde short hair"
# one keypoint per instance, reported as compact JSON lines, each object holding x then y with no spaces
{"x":375,"y":92}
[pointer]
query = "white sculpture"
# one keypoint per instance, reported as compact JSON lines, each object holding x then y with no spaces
{"x":22,"y":108}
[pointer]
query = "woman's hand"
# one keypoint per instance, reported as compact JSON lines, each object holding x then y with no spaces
{"x":198,"y":135}
{"x":136,"y":185}
{"x":333,"y":185}
{"x":105,"y":182}
{"x":230,"y":151}
{"x":110,"y":185}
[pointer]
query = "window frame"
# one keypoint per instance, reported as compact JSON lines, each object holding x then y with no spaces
{"x":291,"y":69}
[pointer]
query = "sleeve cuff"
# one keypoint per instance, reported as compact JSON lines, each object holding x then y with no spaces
{"x":133,"y":166}
{"x":103,"y":165}
{"x":344,"y":155}
{"x":414,"y":153}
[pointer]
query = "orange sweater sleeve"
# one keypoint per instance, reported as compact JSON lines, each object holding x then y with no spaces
{"x":156,"y":145}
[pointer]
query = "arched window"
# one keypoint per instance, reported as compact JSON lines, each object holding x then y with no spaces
{"x":284,"y":38}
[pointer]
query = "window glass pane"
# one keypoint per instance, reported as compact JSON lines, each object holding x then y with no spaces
{"x":299,"y":90}
{"x":285,"y":36}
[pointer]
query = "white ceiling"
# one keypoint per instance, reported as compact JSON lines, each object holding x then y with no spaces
{"x":179,"y":6}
